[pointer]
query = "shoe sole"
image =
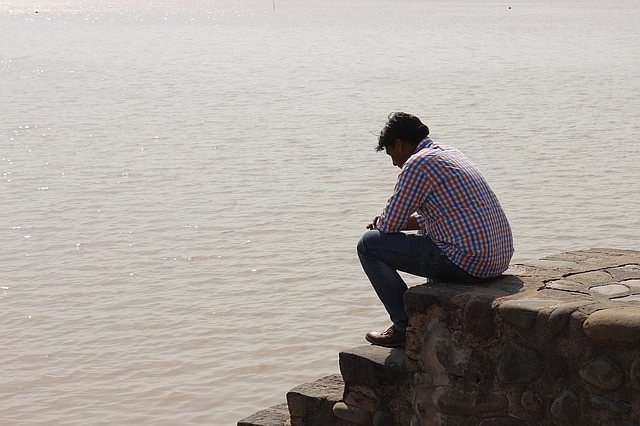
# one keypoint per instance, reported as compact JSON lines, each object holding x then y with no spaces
{"x":397,"y":345}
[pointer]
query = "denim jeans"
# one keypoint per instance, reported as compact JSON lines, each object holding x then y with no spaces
{"x":383,"y":255}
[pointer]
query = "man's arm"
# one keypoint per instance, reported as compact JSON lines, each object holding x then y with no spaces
{"x":412,"y":188}
{"x":411,"y":225}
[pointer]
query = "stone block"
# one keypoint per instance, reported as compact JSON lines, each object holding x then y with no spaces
{"x":421,"y":298}
{"x":400,"y":406}
{"x":312,"y":403}
{"x":351,"y":414}
{"x":531,"y":401}
{"x":616,"y":327}
{"x":519,"y":365}
{"x":632,"y":284}
{"x":557,"y":366}
{"x":277,"y":415}
{"x":382,"y":418}
{"x":617,"y":407}
{"x":466,"y":403}
{"x":559,"y":318}
{"x":602,"y":373}
{"x":628,"y":299}
{"x":362,"y":397}
{"x":610,"y":291}
{"x":567,"y":285}
{"x":453,"y":355}
{"x":591,"y":278}
{"x":621,"y":422}
{"x":377,"y":381}
{"x":634,"y":374}
{"x":625,"y":272}
{"x":523,"y":312}
{"x":479,"y":317}
{"x":422,"y":380}
{"x":502,"y":421}
{"x":372,"y":366}
{"x":566,"y":407}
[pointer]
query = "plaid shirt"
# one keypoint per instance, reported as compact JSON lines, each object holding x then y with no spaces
{"x":455,"y":207}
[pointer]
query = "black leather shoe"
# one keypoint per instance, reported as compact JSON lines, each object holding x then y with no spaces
{"x":390,"y":338}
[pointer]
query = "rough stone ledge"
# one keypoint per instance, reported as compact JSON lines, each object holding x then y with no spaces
{"x":377,"y":386}
{"x":552,"y":342}
{"x":278,"y":415}
{"x":312,"y":403}
{"x":307,"y":404}
{"x":372,"y":365}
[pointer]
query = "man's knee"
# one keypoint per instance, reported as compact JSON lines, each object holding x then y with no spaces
{"x":367,"y":239}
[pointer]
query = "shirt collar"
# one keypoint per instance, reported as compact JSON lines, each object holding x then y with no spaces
{"x":424,"y":143}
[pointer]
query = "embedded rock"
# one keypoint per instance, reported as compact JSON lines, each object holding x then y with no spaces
{"x":566,"y":407}
{"x":519,"y":365}
{"x":523,"y":313}
{"x":602,"y":373}
{"x":618,"y":326}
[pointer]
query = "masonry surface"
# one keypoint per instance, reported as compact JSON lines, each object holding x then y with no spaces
{"x":553,"y":342}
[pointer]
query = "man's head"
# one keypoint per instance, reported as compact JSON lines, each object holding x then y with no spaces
{"x":400,"y":136}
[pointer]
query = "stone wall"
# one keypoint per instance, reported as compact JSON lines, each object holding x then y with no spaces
{"x":555,"y":342}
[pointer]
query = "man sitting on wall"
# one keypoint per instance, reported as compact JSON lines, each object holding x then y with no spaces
{"x":464,"y":235}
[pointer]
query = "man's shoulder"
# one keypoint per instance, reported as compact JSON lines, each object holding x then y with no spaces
{"x":431,"y":152}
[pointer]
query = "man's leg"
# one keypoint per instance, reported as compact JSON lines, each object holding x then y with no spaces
{"x":383,"y":255}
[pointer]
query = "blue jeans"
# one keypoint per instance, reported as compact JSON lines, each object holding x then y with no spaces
{"x":383,"y":255}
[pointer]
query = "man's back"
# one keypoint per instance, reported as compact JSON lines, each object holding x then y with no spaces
{"x":462,"y":214}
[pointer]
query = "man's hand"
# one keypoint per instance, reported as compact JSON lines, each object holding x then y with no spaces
{"x":374,"y":223}
{"x":412,"y":223}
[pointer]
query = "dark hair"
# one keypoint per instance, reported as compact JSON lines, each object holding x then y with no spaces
{"x":403,"y":126}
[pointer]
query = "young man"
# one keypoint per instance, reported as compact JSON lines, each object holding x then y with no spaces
{"x":465,"y":235}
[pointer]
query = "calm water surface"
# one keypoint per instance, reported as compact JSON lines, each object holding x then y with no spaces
{"x":183,"y":183}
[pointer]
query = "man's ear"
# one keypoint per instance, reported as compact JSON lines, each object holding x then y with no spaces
{"x":398,"y":145}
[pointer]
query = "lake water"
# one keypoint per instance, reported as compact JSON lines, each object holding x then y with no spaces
{"x":184,"y":183}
